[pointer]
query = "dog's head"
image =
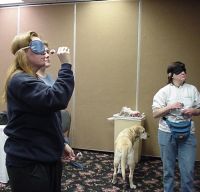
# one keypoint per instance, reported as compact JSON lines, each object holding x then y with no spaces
{"x":139,"y":131}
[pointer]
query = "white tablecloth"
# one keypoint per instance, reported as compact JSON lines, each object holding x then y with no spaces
{"x":3,"y":170}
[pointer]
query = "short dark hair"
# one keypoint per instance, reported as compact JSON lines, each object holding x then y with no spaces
{"x":175,"y":68}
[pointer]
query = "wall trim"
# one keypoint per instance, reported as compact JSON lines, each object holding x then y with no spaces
{"x":138,"y":54}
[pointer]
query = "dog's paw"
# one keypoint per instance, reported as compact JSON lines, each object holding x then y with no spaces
{"x":132,"y":186}
{"x":114,"y":181}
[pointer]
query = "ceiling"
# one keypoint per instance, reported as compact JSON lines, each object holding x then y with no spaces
{"x":51,"y":1}
{"x":36,"y":2}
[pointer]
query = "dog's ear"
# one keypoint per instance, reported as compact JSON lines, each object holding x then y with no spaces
{"x":139,"y":129}
{"x":142,"y":129}
{"x":131,"y":130}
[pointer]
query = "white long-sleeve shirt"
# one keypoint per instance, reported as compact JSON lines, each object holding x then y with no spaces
{"x":186,"y":94}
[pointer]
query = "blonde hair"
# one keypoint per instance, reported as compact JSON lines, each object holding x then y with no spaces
{"x":46,"y":44}
{"x":20,"y":63}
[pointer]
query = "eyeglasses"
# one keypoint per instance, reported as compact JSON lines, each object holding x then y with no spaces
{"x":36,"y":47}
{"x":47,"y":51}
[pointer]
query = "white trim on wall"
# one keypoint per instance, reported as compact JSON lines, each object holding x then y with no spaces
{"x":73,"y":125}
{"x":18,"y":19}
{"x":138,"y":54}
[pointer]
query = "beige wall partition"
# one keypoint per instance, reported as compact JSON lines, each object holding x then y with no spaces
{"x":8,"y":22}
{"x":170,"y":32}
{"x":105,"y":69}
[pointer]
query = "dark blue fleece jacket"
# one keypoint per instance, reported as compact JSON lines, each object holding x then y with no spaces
{"x":34,"y":127}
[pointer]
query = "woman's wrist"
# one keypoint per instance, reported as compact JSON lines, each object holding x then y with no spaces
{"x":168,"y":109}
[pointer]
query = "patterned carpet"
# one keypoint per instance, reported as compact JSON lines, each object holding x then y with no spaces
{"x":97,"y":170}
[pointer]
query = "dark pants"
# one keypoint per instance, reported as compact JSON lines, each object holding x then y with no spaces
{"x":36,"y":178}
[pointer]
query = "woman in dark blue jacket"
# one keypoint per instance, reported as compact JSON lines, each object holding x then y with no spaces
{"x":35,"y":141}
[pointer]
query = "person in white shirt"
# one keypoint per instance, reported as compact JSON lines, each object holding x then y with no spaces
{"x":177,"y":102}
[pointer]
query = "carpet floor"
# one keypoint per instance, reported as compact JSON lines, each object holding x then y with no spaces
{"x":93,"y":173}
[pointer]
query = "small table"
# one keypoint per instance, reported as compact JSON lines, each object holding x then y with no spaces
{"x":3,"y":170}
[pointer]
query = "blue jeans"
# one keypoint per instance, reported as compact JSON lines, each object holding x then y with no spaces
{"x":185,"y":152}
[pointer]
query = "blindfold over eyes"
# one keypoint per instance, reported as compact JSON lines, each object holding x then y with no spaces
{"x":179,"y":70}
{"x":37,"y":47}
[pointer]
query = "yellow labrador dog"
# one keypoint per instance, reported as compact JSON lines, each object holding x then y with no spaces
{"x":124,"y":152}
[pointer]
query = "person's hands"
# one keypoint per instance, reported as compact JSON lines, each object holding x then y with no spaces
{"x":176,"y":105}
{"x":64,"y":55}
{"x":190,"y":112}
{"x":69,"y":153}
